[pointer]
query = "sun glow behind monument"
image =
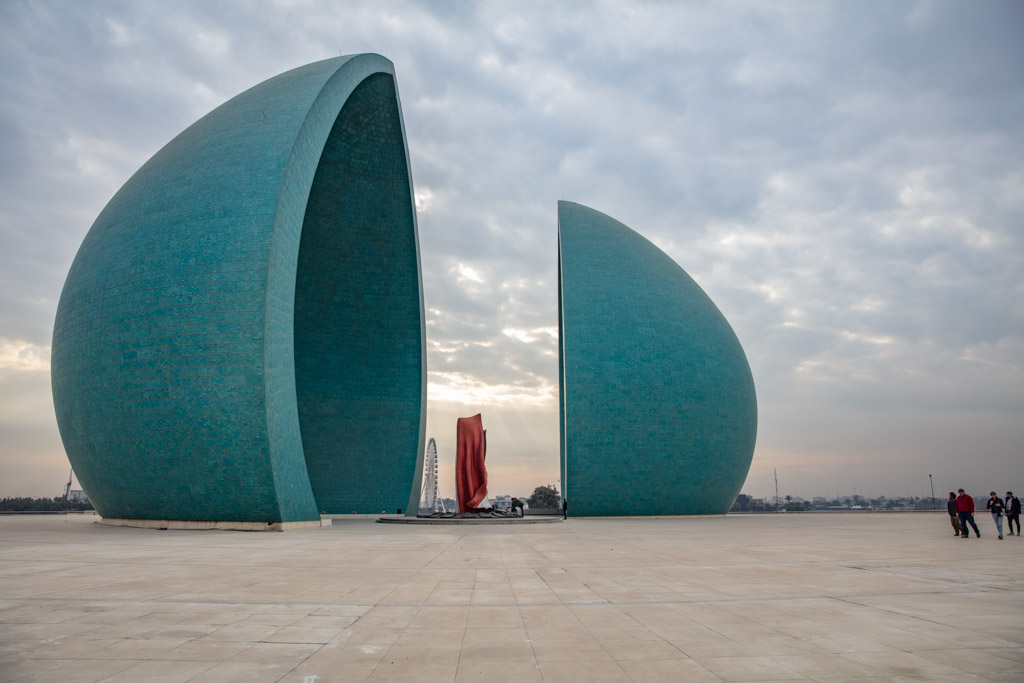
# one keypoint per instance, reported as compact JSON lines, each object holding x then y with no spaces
{"x":462,"y":389}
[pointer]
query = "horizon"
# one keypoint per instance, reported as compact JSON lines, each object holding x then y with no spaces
{"x":492,"y":492}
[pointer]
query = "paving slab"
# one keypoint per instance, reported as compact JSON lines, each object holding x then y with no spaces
{"x":824,"y":597}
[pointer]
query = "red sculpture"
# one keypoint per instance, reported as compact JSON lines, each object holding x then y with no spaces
{"x":470,"y":471}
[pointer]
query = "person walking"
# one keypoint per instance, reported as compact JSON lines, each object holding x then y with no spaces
{"x":995,"y":506}
{"x":1011,"y":507}
{"x":951,"y":509}
{"x":965,"y":511}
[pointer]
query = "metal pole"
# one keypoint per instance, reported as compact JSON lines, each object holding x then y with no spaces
{"x":932,"y":484}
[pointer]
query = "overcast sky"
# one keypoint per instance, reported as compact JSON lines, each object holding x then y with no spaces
{"x":844,"y":180}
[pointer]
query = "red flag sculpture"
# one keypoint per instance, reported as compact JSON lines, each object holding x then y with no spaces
{"x":470,"y":472}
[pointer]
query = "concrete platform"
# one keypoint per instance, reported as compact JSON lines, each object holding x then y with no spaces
{"x":859,"y":597}
{"x":535,"y":519}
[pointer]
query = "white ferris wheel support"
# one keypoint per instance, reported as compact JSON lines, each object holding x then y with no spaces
{"x":430,"y":498}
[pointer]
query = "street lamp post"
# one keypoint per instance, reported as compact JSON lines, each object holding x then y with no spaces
{"x":932,"y":484}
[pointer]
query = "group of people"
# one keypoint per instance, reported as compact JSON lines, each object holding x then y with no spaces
{"x":516,"y":503}
{"x":961,"y":513}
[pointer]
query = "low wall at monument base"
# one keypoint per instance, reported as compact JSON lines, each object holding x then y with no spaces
{"x":713,"y":514}
{"x":184,"y":524}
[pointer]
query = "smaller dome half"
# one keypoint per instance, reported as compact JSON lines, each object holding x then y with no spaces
{"x":658,"y":408}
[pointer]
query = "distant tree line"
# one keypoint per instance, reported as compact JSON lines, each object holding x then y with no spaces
{"x":545,"y":498}
{"x":44,"y":505}
{"x":542,"y":498}
{"x":745,"y":503}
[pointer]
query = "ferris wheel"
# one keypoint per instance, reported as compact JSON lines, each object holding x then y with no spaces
{"x":430,"y":500}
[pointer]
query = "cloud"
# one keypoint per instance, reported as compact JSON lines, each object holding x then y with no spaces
{"x":844,"y":181}
{"x":24,"y":356}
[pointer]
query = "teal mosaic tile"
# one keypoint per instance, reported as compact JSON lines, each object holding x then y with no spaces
{"x":657,"y":401}
{"x":174,"y":363}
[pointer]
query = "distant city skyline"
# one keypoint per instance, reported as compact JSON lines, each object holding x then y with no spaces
{"x":842,"y":179}
{"x":446,"y":488}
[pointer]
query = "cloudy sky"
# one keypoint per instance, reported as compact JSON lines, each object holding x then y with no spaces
{"x":844,"y":180}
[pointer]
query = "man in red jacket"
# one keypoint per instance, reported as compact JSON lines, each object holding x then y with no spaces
{"x":965,"y":511}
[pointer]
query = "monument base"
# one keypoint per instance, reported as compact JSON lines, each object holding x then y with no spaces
{"x":185,"y":524}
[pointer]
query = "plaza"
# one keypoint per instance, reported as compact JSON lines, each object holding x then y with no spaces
{"x":837,"y":597}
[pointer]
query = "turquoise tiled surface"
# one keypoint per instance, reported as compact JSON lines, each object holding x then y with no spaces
{"x":659,"y":414}
{"x":174,"y":361}
{"x":358,"y":332}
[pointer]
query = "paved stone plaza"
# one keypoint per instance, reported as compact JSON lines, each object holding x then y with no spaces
{"x":843,"y":597}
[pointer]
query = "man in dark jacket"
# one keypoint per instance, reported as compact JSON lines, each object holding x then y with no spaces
{"x":1012,"y":505}
{"x":951,"y":509}
{"x":995,"y":506}
{"x":965,"y":510}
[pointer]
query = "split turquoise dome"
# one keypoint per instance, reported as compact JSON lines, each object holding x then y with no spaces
{"x":240,"y":336}
{"x":658,"y":409}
